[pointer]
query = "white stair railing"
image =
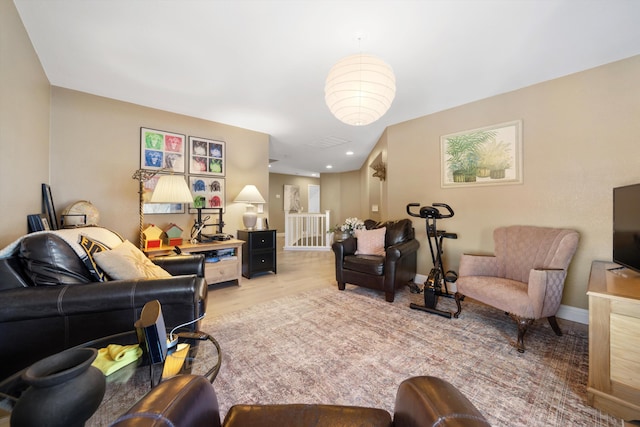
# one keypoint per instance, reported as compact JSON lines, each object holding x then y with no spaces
{"x":307,"y":231}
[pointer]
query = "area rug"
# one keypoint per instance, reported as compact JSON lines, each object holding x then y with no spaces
{"x":353,"y":348}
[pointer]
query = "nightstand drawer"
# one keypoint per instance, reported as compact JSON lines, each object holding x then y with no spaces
{"x":262,"y":261}
{"x":262,"y":240}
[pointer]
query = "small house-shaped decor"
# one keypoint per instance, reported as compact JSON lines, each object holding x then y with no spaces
{"x":173,"y":235}
{"x":151,"y":237}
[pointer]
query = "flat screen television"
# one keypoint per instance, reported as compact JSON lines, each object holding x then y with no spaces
{"x":626,"y":226}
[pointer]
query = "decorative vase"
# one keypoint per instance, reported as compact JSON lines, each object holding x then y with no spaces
{"x":483,"y":172}
{"x":65,"y":390}
{"x":497,"y":174}
{"x":340,"y":235}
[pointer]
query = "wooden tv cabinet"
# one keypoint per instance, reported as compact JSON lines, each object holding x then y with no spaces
{"x":614,"y":340}
{"x":214,"y":272}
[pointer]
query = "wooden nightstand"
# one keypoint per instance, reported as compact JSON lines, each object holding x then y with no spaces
{"x":259,"y":253}
{"x":228,"y":267}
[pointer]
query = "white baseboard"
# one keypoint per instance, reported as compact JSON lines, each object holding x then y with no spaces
{"x":567,"y":312}
{"x":574,"y":314}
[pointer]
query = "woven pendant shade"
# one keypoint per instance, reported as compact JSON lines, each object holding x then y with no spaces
{"x":360,"y":89}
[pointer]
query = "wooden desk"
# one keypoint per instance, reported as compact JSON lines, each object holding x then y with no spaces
{"x":614,"y":341}
{"x":214,"y":272}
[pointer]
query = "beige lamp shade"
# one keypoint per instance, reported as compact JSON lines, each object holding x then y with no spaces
{"x":171,"y":189}
{"x":249,"y":195}
{"x":360,"y":89}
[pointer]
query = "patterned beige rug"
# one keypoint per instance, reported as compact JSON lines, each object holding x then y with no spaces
{"x":353,"y":348}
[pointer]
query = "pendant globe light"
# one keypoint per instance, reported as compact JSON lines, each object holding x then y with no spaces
{"x":360,"y":89}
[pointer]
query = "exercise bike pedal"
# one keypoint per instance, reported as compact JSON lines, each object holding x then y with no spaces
{"x":414,"y":288}
{"x":450,"y":276}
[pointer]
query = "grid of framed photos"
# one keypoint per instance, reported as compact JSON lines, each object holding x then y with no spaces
{"x":164,"y":151}
{"x":208,"y":193}
{"x":206,"y":156}
{"x":161,"y":150}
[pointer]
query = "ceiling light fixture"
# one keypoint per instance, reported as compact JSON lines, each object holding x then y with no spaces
{"x":360,"y":89}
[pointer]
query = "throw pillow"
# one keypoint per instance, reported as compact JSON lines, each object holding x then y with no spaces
{"x":126,"y":261}
{"x":91,"y":247}
{"x":371,"y":242}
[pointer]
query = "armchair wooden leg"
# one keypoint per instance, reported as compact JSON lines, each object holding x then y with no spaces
{"x":554,"y":325}
{"x":523,"y":324}
{"x":341,"y":286}
{"x":458,"y":297}
{"x":389,"y":296}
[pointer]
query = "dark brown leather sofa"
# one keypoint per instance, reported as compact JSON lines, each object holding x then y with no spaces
{"x":385,"y":273}
{"x":189,"y":400}
{"x":68,"y":308}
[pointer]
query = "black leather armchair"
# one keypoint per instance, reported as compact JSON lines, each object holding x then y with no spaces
{"x":38,"y":321}
{"x":188,"y":400}
{"x":387,"y":273}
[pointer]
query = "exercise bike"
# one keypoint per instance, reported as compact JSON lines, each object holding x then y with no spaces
{"x":436,"y":284}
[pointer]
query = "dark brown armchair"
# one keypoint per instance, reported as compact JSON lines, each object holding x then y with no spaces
{"x":388,"y":272}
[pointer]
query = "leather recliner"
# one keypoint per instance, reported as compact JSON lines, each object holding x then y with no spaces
{"x":388,"y":272}
{"x":38,"y":321}
{"x":188,"y":400}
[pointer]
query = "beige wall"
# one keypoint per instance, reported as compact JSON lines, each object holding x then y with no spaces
{"x":341,"y":194}
{"x":95,"y":149}
{"x":580,"y":139}
{"x":277,"y":182}
{"x":24,"y":126}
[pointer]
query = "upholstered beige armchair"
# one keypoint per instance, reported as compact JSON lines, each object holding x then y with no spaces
{"x":524,"y":278}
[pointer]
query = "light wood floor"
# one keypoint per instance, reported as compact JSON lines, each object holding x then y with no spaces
{"x":297,"y":271}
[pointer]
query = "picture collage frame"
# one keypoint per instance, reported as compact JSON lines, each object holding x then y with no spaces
{"x":203,"y":158}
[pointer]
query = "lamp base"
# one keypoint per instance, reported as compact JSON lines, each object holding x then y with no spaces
{"x":250,"y":218}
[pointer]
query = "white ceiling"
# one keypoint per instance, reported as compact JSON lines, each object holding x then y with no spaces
{"x":262,"y":64}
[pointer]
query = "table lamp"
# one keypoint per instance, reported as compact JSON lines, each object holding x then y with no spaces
{"x":169,"y":189}
{"x":249,"y":195}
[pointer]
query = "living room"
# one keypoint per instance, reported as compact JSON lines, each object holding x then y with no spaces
{"x":580,"y":140}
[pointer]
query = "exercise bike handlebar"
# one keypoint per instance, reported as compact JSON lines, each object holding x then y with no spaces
{"x":430,"y":211}
{"x":412,"y":205}
{"x":447,"y":207}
